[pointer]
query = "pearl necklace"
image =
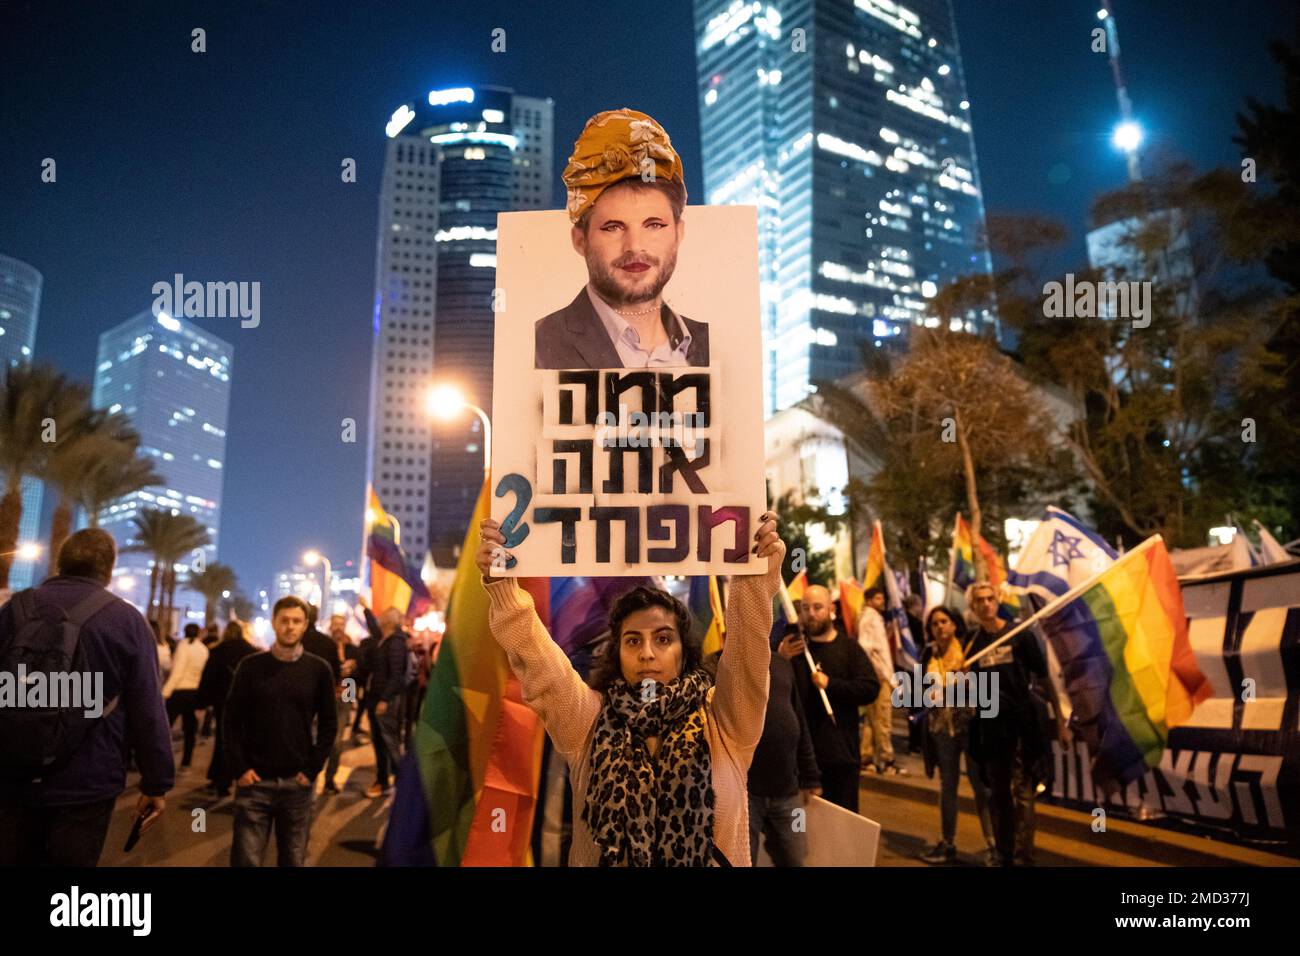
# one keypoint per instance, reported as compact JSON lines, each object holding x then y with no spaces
{"x":652,"y":308}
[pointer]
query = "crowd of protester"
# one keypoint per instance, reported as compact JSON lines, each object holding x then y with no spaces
{"x":280,"y":717}
{"x":284,"y":716}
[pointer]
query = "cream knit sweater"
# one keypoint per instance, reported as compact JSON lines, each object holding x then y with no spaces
{"x":733,"y":711}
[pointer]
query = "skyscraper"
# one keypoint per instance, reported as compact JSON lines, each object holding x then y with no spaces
{"x":846,"y":123}
{"x":172,"y":380}
{"x":20,"y":307}
{"x":456,"y":158}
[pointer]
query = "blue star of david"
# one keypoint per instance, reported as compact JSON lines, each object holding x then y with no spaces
{"x":1071,"y":550}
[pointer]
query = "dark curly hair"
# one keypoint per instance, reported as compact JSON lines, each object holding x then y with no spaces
{"x":953,"y":616}
{"x":607,"y":667}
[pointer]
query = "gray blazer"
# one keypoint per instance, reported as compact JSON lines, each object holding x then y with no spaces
{"x":574,"y":337}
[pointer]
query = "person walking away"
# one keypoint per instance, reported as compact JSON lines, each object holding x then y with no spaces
{"x":214,"y":688}
{"x":58,"y":788}
{"x":182,"y":688}
{"x":274,"y":698}
{"x":387,"y":692}
{"x":345,"y":654}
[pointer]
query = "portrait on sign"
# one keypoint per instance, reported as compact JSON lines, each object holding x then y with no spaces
{"x":626,"y":440}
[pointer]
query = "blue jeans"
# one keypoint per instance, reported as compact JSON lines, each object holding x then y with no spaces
{"x":775,"y":818}
{"x":282,"y":801}
{"x":950,"y":750}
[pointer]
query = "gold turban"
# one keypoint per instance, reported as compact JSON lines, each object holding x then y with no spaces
{"x":615,"y":145}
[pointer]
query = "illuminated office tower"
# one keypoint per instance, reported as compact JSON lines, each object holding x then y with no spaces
{"x":20,"y":308}
{"x":456,"y":158}
{"x":172,"y":380}
{"x":846,"y":123}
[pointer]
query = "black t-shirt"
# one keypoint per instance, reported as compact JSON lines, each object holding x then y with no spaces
{"x":1013,"y":662}
{"x":853,"y":684}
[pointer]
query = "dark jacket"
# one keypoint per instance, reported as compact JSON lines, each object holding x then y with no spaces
{"x":323,"y":646}
{"x":119,"y":644}
{"x":387,"y":662}
{"x":219,"y":671}
{"x":853,"y":684}
{"x":783,"y":762}
{"x":574,"y":337}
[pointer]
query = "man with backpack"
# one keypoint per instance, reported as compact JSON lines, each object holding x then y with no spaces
{"x":62,"y":768}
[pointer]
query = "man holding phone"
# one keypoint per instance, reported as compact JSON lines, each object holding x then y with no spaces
{"x":274,"y":698}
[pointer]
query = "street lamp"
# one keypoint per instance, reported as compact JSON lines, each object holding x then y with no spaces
{"x":1127,"y":136}
{"x":311,"y":559}
{"x":445,"y":402}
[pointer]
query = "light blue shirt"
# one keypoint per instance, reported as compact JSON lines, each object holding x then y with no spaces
{"x":628,"y":343}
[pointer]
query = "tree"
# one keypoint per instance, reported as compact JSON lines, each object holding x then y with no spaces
{"x":237,"y":605}
{"x":951,"y":423}
{"x":797,"y":519}
{"x":213,"y":582}
{"x":167,"y":537}
{"x":1270,"y":137}
{"x":112,"y":478}
{"x":1160,"y":441}
{"x":93,"y":462}
{"x":37,"y":405}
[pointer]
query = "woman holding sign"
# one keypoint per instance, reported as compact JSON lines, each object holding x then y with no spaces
{"x":658,"y":753}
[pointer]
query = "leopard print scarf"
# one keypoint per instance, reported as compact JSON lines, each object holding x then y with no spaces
{"x":645,"y":811}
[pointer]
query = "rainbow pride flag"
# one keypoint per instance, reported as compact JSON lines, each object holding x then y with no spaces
{"x":478,"y":747}
{"x":705,"y":603}
{"x":1121,"y":639}
{"x":394,"y":581}
{"x":875,"y":573}
{"x":851,"y":598}
{"x":964,"y":574}
{"x":963,"y":554}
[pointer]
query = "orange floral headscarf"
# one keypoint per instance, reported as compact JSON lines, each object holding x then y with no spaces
{"x":617,"y":145}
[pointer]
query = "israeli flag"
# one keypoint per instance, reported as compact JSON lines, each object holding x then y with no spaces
{"x":1061,"y":553}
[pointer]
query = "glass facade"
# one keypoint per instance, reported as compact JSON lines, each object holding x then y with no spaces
{"x":172,"y":380}
{"x":455,"y":160}
{"x":20,"y":308}
{"x":846,"y":123}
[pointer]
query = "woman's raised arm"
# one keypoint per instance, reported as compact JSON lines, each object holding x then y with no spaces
{"x":549,"y":684}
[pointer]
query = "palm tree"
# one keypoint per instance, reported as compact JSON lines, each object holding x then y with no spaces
{"x":37,"y":406}
{"x":91,"y":460}
{"x":213,"y":582}
{"x":116,"y":477}
{"x":168,"y":537}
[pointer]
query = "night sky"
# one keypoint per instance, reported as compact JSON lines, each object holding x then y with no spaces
{"x":225,"y":166}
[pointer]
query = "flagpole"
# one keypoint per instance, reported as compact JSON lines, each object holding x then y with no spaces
{"x":1069,"y":595}
{"x":788,"y":606}
{"x":952,"y":565}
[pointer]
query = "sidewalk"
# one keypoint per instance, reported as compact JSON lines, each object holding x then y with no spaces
{"x":1064,"y":836}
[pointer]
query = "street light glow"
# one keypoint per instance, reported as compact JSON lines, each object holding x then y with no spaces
{"x":1127,"y":136}
{"x":445,"y":402}
{"x":311,"y":558}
